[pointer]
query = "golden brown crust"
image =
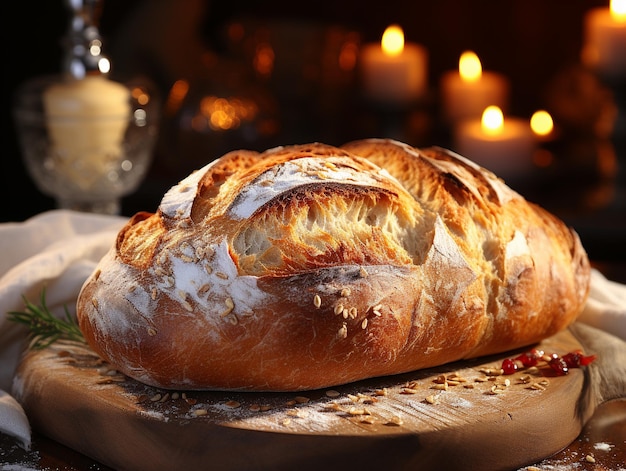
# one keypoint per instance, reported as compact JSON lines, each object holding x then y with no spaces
{"x":308,"y":266}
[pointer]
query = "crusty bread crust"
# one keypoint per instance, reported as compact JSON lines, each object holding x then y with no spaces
{"x":308,"y":266}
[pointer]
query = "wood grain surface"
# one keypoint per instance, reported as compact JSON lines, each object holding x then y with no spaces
{"x":458,"y":416}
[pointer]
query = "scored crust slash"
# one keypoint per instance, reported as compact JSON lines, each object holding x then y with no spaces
{"x":310,"y":266}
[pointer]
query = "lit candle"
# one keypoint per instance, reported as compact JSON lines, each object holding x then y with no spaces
{"x":394,"y":71}
{"x":542,"y":125}
{"x":86,"y":120}
{"x":467,"y":92}
{"x":504,"y":146}
{"x":604,"y":48}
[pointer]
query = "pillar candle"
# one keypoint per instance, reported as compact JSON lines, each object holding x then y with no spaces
{"x":394,"y":72}
{"x":504,"y":146}
{"x":466,"y":92}
{"x":86,"y":119}
{"x":604,"y":48}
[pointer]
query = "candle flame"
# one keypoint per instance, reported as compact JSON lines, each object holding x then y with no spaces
{"x":470,"y":68}
{"x":104,"y":65}
{"x":618,"y":10}
{"x":393,"y":40}
{"x":492,"y":121}
{"x":541,"y":123}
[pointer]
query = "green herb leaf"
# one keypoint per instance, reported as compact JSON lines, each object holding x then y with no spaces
{"x":44,"y":327}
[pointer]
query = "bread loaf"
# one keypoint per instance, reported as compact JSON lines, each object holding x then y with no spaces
{"x":308,"y":266}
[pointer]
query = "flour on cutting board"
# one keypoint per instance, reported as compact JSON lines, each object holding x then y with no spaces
{"x":432,"y":403}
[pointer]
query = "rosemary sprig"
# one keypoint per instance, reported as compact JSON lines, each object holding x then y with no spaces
{"x":44,"y":327}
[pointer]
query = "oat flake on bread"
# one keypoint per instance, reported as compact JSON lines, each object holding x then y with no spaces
{"x":309,"y":266}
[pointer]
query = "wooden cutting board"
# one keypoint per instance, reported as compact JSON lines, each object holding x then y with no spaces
{"x":458,"y":416}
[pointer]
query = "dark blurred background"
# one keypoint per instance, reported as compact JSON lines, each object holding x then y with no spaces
{"x":191,"y":48}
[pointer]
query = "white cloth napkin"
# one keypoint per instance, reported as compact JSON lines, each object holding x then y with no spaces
{"x":56,"y":250}
{"x":606,"y":306}
{"x":59,"y":249}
